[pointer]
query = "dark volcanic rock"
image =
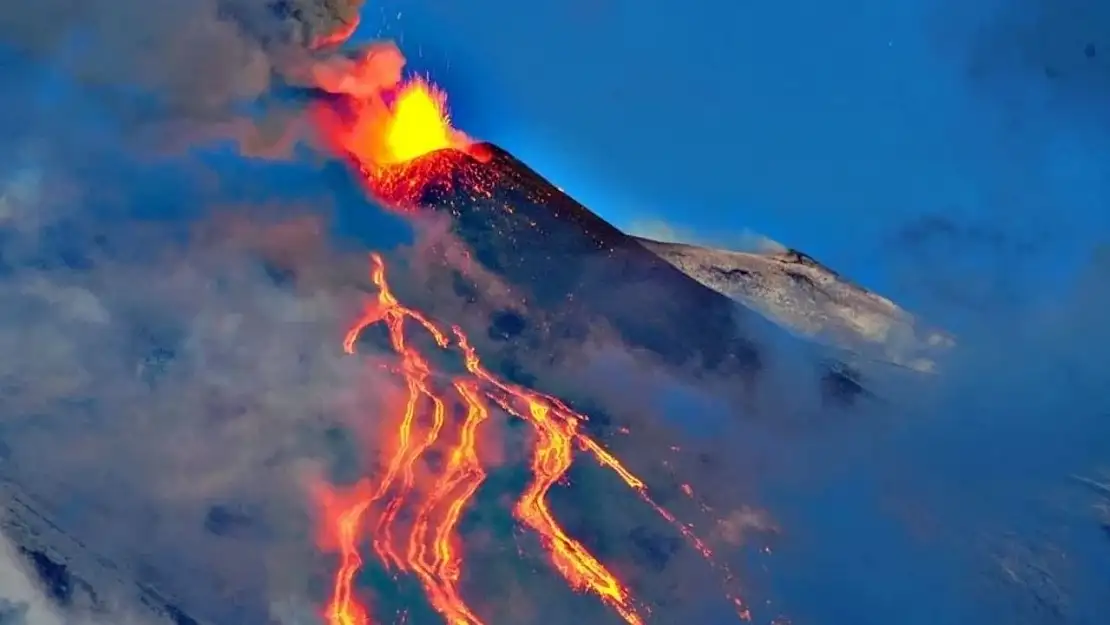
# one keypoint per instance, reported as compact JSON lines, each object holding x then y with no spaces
{"x":70,"y":573}
{"x":581,"y":273}
{"x":565,"y":260}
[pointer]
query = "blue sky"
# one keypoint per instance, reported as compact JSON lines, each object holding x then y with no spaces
{"x":826,"y":126}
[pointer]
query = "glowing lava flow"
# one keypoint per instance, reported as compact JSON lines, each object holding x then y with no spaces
{"x":432,"y":549}
{"x":457,"y":484}
{"x":344,"y":513}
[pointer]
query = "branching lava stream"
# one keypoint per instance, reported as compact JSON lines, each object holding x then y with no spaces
{"x":448,"y":419}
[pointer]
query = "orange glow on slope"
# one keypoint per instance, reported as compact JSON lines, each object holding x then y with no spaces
{"x":432,"y":550}
{"x":343,"y":514}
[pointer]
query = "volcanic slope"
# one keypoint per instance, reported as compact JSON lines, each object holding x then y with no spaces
{"x":804,"y":296}
{"x":572,"y":275}
{"x":569,"y":276}
{"x":71,"y":575}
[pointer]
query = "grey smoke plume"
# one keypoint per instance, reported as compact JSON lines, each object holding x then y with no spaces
{"x":171,"y":60}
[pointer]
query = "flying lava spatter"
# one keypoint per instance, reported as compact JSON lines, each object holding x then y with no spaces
{"x":420,"y":123}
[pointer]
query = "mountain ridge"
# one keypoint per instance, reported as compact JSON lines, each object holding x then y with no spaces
{"x":808,"y":298}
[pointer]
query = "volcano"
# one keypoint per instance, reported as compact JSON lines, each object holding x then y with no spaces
{"x":527,"y":294}
{"x":540,"y":272}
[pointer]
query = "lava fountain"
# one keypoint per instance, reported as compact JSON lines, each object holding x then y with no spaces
{"x":383,"y":134}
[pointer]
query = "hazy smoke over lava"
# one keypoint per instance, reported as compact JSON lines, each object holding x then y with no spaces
{"x":1032,"y":56}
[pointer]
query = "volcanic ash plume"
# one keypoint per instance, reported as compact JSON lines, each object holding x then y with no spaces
{"x":170,"y":60}
{"x":367,"y":74}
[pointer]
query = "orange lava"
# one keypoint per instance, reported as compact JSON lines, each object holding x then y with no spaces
{"x":420,"y":123}
{"x":431,"y":550}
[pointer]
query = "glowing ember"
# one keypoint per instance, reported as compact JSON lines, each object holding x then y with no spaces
{"x":432,"y":550}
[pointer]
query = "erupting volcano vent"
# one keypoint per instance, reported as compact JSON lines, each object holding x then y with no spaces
{"x":445,"y":418}
{"x":384,"y":132}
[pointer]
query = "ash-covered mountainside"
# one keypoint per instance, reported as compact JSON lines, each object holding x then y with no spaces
{"x":43,"y":561}
{"x":585,"y":275}
{"x":806,"y":297}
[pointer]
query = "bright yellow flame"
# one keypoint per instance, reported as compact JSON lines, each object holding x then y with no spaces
{"x":419,"y":123}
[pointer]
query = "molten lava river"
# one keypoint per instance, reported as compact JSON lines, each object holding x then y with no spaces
{"x":411,"y":530}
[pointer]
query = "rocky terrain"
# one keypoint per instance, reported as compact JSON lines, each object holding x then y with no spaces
{"x":806,"y":297}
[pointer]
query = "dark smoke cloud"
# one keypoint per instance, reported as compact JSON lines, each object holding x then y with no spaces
{"x":949,"y":264}
{"x":1061,"y":48}
{"x":298,"y":22}
{"x":170,"y":364}
{"x":185,"y":52}
{"x":193,"y":63}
